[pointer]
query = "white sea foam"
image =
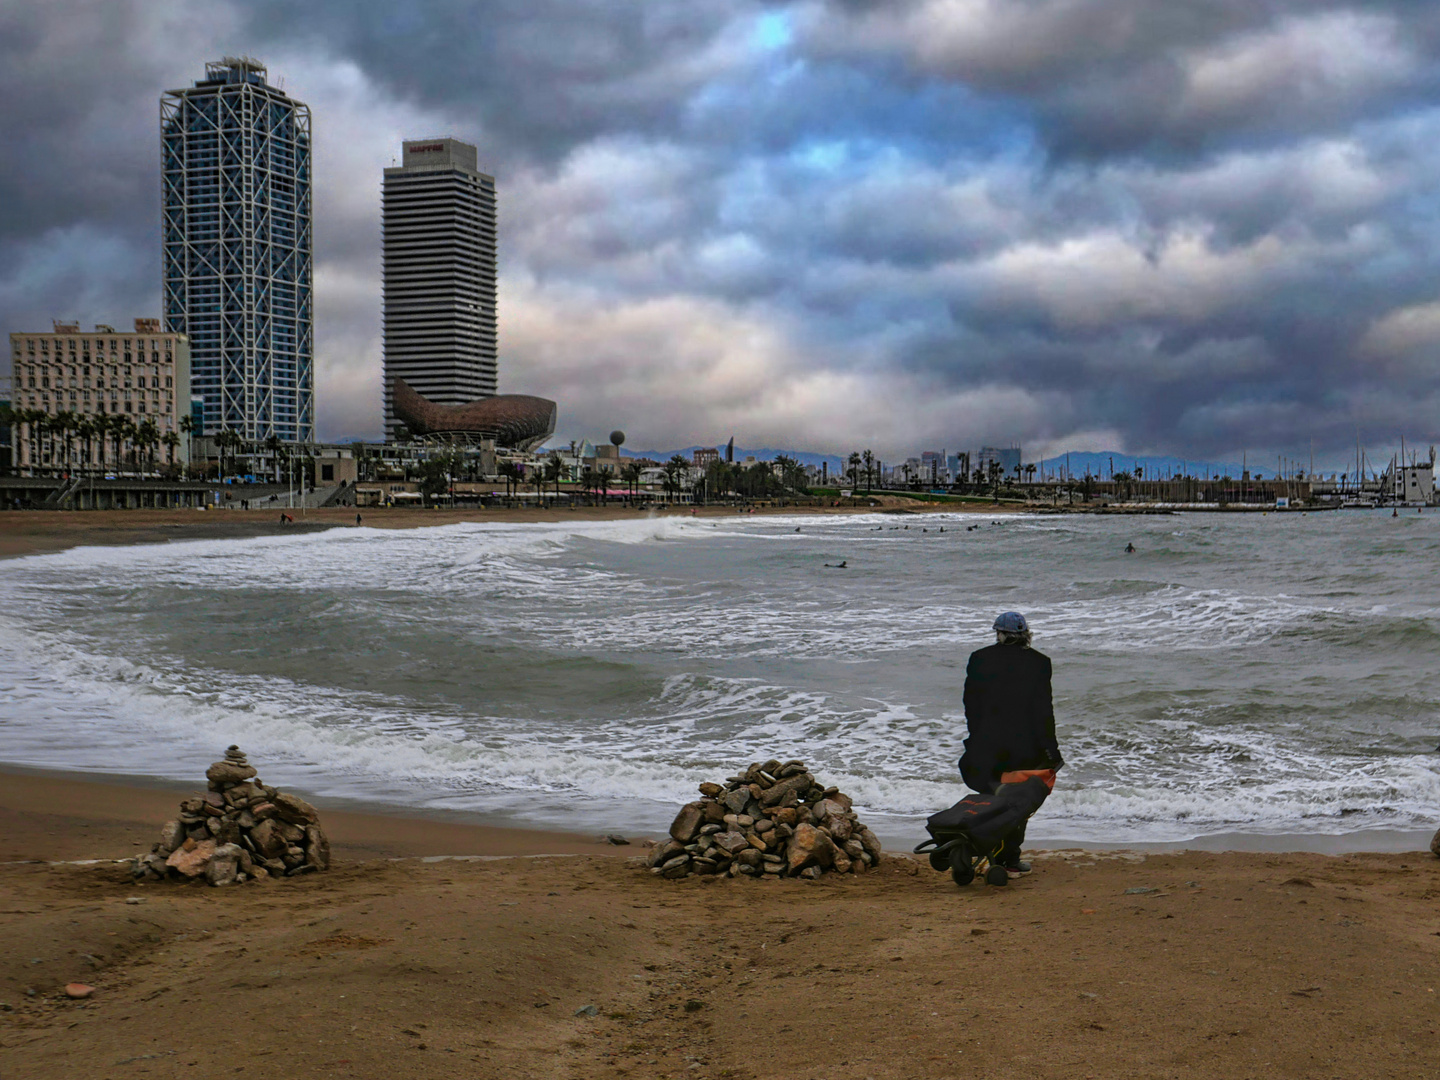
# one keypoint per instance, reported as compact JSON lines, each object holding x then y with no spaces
{"x":729,"y":644}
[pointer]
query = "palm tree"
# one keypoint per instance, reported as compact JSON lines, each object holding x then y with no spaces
{"x":538,"y":477}
{"x":869,"y":460}
{"x":63,"y":424}
{"x":554,"y":469}
{"x":272,"y":444}
{"x":587,"y":480}
{"x":147,"y":437}
{"x":511,"y":474}
{"x":631,"y":474}
{"x":171,"y":441}
{"x":854,"y":471}
{"x":676,"y":467}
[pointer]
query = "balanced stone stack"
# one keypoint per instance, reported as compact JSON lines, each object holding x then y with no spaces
{"x":239,"y":830}
{"x":773,"y":819}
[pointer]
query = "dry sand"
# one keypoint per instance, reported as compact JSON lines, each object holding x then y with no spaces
{"x":1233,"y":965}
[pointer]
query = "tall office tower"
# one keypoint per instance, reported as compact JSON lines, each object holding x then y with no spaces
{"x":236,"y":206}
{"x":440,"y":327}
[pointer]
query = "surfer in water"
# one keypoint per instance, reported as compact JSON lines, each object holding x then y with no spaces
{"x":1129,"y":549}
{"x":837,"y":565}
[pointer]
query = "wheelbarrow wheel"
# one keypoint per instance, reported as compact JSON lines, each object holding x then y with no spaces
{"x":962,"y":865}
{"x":997,"y":875}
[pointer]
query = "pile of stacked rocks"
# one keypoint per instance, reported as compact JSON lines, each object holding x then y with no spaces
{"x":239,"y":830}
{"x":774,"y":818}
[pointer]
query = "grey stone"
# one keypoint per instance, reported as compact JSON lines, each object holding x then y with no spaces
{"x":172,"y":835}
{"x":731,"y":841}
{"x":295,"y":810}
{"x":687,"y":822}
{"x":736,"y":800}
{"x":317,"y":847}
{"x":223,"y":772}
{"x":665,"y":851}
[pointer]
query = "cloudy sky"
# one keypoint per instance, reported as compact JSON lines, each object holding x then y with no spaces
{"x":1139,"y":225}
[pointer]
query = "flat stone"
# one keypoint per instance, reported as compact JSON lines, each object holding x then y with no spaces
{"x":750,"y":857}
{"x":736,"y":800}
{"x":78,"y":991}
{"x":262,"y":810}
{"x":764,"y":825}
{"x":711,"y":829}
{"x":773,"y":796}
{"x":295,"y":810}
{"x":731,"y":842}
{"x":711,"y":789}
{"x":744,"y":820}
{"x":190,"y":861}
{"x":222,"y":772}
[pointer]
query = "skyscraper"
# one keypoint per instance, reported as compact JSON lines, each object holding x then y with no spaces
{"x":439,"y":278}
{"x":236,"y":211}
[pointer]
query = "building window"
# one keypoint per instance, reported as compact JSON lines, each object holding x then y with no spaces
{"x":168,"y":382}
{"x":127,"y":406}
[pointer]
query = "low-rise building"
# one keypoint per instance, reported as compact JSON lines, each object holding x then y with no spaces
{"x":103,"y":399}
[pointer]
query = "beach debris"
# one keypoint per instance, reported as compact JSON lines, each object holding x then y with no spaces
{"x":78,"y":991}
{"x":772,"y":820}
{"x":238,"y":830}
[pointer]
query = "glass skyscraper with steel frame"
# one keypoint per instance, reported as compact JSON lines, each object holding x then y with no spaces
{"x":237,"y":235}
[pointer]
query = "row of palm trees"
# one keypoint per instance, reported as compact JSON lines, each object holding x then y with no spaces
{"x":68,"y":431}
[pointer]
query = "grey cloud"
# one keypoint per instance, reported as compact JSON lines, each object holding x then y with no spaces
{"x":1201,"y":227}
{"x":1107,"y":77}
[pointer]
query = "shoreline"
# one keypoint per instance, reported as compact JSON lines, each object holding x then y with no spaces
{"x":379,"y":829}
{"x":44,"y":532}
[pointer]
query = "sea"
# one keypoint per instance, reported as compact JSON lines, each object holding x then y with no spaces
{"x":1238,"y":679}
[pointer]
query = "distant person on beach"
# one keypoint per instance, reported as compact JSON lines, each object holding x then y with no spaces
{"x":357,"y":519}
{"x":1009,"y":711}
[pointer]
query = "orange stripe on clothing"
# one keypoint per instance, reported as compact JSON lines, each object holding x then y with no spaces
{"x":1020,"y":776}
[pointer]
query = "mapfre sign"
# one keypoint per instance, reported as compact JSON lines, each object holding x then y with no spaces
{"x":427,"y":148}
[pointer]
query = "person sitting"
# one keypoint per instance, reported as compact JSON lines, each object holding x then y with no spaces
{"x":1011,"y":718}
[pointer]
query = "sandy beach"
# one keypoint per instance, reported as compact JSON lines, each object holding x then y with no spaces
{"x":1108,"y":964}
{"x":443,"y":948}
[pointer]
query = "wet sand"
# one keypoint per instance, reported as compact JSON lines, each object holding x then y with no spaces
{"x":1226,"y":965}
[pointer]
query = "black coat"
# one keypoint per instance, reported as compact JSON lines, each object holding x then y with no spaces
{"x":1011,"y":717}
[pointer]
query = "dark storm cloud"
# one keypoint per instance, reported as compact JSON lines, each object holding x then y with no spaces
{"x":535,"y":77}
{"x":1197,"y":227}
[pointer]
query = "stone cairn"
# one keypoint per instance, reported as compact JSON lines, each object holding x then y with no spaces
{"x":240,"y":830}
{"x":773,"y":819}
